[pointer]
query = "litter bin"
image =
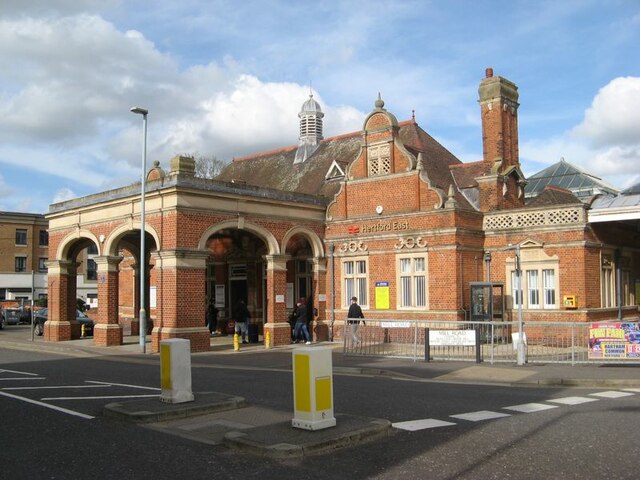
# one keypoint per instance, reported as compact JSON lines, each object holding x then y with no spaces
{"x":253,"y":333}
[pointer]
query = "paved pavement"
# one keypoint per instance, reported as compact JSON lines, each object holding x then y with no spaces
{"x":214,"y":417}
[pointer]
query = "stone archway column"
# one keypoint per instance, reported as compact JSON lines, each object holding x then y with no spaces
{"x":180,"y":299}
{"x":108,"y":331}
{"x":135,"y":321}
{"x":320,"y":327}
{"x":277,"y":326}
{"x":57,"y":328}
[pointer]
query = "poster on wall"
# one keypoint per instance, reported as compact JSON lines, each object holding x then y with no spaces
{"x":614,"y":340}
{"x":382,"y":295}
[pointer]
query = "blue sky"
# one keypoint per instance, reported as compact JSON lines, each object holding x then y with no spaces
{"x":227,"y":78}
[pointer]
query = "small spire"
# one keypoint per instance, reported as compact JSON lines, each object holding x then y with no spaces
{"x":451,"y":198}
{"x":413,"y":115}
{"x":379,"y":102}
{"x":419,"y":163}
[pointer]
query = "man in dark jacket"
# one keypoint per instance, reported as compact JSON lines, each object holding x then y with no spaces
{"x":242,"y":317}
{"x":353,"y":317}
{"x":301,"y":322}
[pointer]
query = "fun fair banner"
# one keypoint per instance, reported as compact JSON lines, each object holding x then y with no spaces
{"x":613,"y":340}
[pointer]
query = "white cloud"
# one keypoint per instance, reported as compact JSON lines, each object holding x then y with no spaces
{"x":614,"y":115}
{"x":5,"y":189}
{"x":606,"y":143}
{"x":63,"y":194}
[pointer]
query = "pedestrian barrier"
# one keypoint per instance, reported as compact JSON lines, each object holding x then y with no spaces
{"x":546,"y":342}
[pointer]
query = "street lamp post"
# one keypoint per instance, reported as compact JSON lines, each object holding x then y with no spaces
{"x":521,"y":355}
{"x":142,"y":261}
{"x":520,"y":349}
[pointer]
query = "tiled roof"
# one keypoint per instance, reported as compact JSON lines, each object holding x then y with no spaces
{"x":275,"y":169}
{"x":553,"y":196}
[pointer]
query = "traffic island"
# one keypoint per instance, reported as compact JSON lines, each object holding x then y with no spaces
{"x":281,"y":440}
{"x":151,"y":409}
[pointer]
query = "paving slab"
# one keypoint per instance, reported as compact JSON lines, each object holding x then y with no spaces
{"x":149,"y":410}
{"x":282,"y":440}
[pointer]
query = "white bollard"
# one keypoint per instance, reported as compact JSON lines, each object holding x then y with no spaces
{"x":175,"y":370}
{"x":313,"y":388}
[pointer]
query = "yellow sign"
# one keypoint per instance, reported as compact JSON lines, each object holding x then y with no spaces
{"x":382,"y":296}
{"x":569,"y":301}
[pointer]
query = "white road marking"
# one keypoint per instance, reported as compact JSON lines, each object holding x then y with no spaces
{"x":414,"y":425}
{"x":16,"y":371}
{"x":612,"y":394}
{"x":636,"y":390}
{"x":480,"y":415}
{"x":20,"y":378}
{"x":100,"y":398}
{"x":41,"y":404}
{"x":124,"y":385}
{"x":572,"y":400}
{"x":56,"y":386}
{"x":530,"y":407}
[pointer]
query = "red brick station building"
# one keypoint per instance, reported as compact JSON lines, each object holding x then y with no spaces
{"x":386,"y":214}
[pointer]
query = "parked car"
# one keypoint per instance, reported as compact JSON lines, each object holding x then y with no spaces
{"x":41,"y":317}
{"x":16,"y":315}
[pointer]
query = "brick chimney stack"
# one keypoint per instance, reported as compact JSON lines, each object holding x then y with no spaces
{"x":499,"y":112}
{"x":502,"y":184}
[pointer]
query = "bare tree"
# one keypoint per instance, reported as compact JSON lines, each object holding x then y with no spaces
{"x":207,"y":166}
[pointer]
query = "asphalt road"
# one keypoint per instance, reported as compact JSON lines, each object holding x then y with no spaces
{"x":53,"y":426}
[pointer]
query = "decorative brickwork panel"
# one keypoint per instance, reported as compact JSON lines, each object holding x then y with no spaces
{"x":541,"y":218}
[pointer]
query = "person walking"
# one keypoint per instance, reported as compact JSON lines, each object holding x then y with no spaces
{"x":301,"y":322}
{"x":212,"y":318}
{"x":353,"y":318}
{"x":242,"y":317}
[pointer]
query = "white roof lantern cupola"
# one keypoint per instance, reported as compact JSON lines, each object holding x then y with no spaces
{"x":310,"y":129}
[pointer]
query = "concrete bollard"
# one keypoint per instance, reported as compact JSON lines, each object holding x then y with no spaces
{"x":175,"y":370}
{"x":313,"y":388}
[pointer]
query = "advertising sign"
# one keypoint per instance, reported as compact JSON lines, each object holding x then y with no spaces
{"x":614,"y":340}
{"x":382,"y":295}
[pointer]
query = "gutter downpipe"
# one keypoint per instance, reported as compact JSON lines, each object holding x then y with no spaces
{"x":332,"y":248}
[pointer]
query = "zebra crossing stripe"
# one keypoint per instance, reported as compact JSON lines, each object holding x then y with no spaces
{"x":480,"y":415}
{"x":612,"y":394}
{"x":530,"y":407}
{"x":572,"y":400}
{"x":413,"y":425}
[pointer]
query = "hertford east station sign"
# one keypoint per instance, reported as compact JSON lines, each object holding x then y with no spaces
{"x":379,"y":227}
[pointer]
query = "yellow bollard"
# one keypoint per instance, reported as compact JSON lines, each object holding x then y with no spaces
{"x":236,"y":342}
{"x":267,"y":339}
{"x":82,"y":332}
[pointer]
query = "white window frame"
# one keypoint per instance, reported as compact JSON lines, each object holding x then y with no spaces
{"x":534,"y":297}
{"x":413,"y":279}
{"x":549,"y":288}
{"x":354,"y":278}
{"x":607,"y":282}
{"x":533,"y":287}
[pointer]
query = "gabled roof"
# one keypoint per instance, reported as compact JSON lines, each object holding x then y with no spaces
{"x":565,"y":175}
{"x":553,"y":196}
{"x":276,"y":170}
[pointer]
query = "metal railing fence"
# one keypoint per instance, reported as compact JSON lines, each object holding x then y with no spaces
{"x":546,"y":342}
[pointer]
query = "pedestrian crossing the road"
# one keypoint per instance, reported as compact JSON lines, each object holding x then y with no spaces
{"x":533,"y":407}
